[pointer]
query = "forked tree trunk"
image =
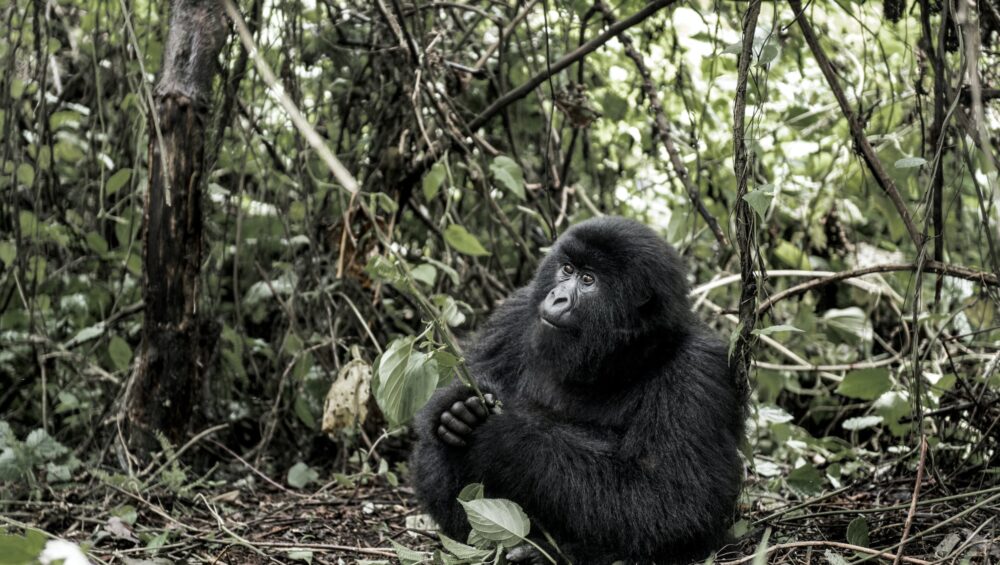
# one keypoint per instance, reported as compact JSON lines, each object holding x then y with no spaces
{"x":167,"y":384}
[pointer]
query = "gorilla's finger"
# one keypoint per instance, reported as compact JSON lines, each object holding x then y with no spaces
{"x":459,"y":410}
{"x":491,"y":403}
{"x":450,"y":438}
{"x":455,"y":425}
{"x":476,"y":407}
{"x":524,"y":554}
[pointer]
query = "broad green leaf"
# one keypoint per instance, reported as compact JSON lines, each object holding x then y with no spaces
{"x":425,"y":273}
{"x":86,"y":334}
{"x":120,"y":353}
{"x":464,"y":242}
{"x":8,"y":252}
{"x":767,"y":54}
{"x":776,"y":329}
{"x":43,"y":446}
{"x":760,"y":200}
{"x":433,"y":180}
{"x":857,"y":532}
{"x":25,"y":174}
{"x":408,"y":556}
{"x":21,"y":550}
{"x":508,"y":173}
{"x":866,"y":384}
{"x":497,"y":519}
{"x":806,"y":479}
{"x":117,"y":180}
{"x":911,"y":162}
{"x":773,"y":414}
{"x":404,"y":381}
{"x":301,"y":475}
{"x":462,"y":551}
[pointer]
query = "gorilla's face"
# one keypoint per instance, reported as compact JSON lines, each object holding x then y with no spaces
{"x":606,"y":285}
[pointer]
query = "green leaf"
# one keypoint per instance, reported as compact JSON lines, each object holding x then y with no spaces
{"x":404,"y":381}
{"x":120,"y":353}
{"x":767,"y":54}
{"x":464,"y":552}
{"x":833,"y":558}
{"x":471,"y":491}
{"x":857,"y":532}
{"x":861,"y":422}
{"x":464,"y":242}
{"x":866,"y":384}
{"x":508,"y":173}
{"x":18,"y":550}
{"x":776,"y":329}
{"x":433,"y":180}
{"x":25,"y":174}
{"x":497,"y":519}
{"x":911,"y":162}
{"x":806,"y":479}
{"x":43,"y":446}
{"x":117,"y":181}
{"x":425,"y":273}
{"x":301,"y":475}
{"x":86,"y":334}
{"x":408,"y":556}
{"x":760,"y":199}
{"x":300,"y":555}
{"x":8,"y":252}
{"x":97,"y":243}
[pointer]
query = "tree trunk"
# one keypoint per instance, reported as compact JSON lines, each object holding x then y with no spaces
{"x":167,"y":383}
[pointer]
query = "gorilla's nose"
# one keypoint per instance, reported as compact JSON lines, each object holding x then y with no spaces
{"x":557,"y":304}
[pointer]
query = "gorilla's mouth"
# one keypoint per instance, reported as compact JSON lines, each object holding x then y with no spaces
{"x":549,"y":323}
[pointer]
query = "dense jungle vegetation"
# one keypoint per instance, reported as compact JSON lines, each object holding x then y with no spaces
{"x":242,"y":242}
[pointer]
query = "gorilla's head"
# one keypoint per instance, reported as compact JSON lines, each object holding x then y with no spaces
{"x":609,"y":289}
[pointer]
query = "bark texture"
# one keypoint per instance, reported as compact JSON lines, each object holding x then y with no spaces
{"x":166,"y":387}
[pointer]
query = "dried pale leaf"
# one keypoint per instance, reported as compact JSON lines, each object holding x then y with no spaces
{"x":347,"y":400}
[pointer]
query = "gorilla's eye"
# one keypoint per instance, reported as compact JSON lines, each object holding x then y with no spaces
{"x":568,"y":269}
{"x":587,"y":278}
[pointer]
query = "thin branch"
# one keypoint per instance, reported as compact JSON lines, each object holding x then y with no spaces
{"x":913,"y":500}
{"x":741,"y":356}
{"x":931,"y":266}
{"x":857,"y":130}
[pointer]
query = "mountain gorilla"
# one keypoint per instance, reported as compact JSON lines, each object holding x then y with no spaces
{"x":620,"y":424}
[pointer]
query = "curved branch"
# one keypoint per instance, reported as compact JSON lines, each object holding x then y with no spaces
{"x":928,"y":266}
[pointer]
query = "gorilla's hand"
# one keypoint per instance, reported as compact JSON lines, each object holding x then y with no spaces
{"x":458,"y":421}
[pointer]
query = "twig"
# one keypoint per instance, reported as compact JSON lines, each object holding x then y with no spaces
{"x":913,"y":501}
{"x":882,"y":178}
{"x":662,"y":128}
{"x":822,"y":543}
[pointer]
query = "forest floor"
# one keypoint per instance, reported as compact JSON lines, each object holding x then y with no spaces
{"x":261,"y":521}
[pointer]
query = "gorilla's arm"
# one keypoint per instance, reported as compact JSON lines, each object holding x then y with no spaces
{"x":661,"y":480}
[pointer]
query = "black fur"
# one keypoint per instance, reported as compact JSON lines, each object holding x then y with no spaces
{"x":620,"y":439}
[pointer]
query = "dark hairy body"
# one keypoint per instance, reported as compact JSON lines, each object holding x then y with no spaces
{"x":620,"y":422}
